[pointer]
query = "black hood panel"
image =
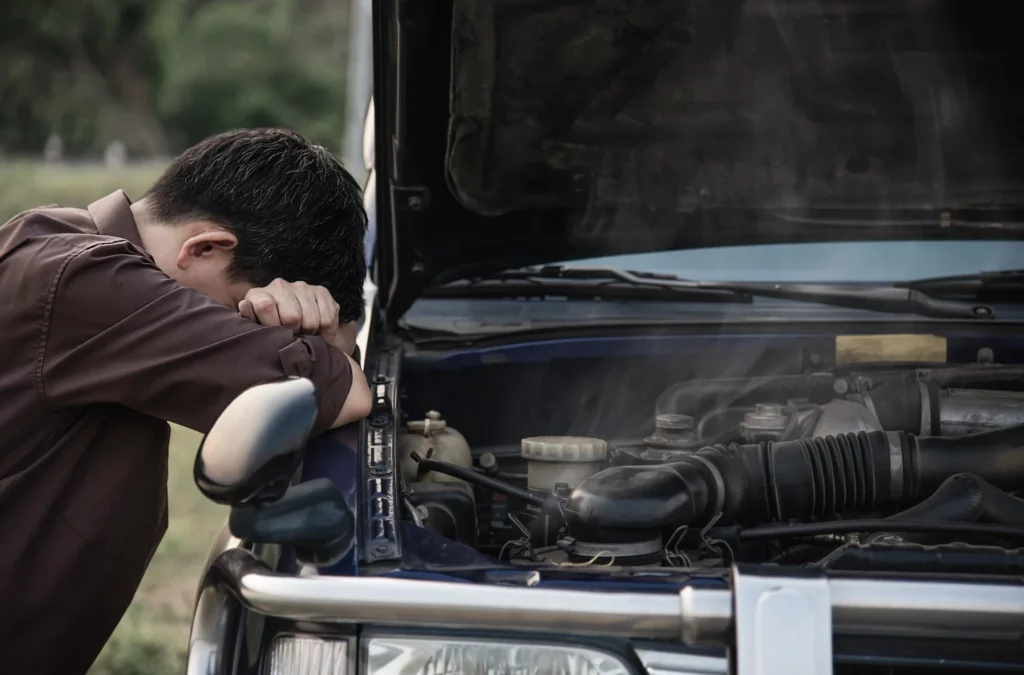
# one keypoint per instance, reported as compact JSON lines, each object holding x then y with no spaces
{"x":513,"y":132}
{"x":624,"y":105}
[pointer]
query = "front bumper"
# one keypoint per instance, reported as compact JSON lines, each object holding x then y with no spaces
{"x":758,"y":617}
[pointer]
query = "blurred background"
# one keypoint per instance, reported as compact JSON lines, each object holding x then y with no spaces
{"x":97,"y":95}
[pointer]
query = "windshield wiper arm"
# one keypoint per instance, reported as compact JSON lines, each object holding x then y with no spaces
{"x":892,"y":299}
{"x":584,"y":282}
{"x":992,"y":286}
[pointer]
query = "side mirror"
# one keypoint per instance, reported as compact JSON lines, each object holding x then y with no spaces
{"x":313,"y":517}
{"x":257,"y":443}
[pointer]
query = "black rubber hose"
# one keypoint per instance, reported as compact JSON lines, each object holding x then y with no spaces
{"x":966,"y":498}
{"x":477,"y":479}
{"x":785,"y":530}
{"x":738,"y":483}
{"x":1001,"y":377}
{"x":996,"y":456}
{"x":797,"y":554}
{"x":784,"y":481}
{"x":898,"y":405}
{"x":890,"y":557}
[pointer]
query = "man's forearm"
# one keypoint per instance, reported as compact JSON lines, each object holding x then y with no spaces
{"x":359,"y":401}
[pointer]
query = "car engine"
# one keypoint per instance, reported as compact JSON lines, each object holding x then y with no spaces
{"x":877,"y":468}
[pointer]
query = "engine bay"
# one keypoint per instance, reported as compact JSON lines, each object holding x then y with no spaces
{"x":873,"y":466}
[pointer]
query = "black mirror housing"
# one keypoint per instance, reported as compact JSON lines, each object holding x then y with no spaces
{"x":313,"y":517}
{"x":257,"y":443}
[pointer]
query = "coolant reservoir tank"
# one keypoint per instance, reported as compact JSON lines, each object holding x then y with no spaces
{"x":562,"y":459}
{"x":432,"y":437}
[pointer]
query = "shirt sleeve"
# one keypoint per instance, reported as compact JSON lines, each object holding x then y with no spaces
{"x":119,"y":330}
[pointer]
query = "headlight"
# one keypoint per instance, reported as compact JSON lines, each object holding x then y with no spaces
{"x":419,"y":656}
{"x":308,"y":655}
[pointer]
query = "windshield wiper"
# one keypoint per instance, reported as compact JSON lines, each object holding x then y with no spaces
{"x":1005,"y":285}
{"x":584,"y":283}
{"x":600,"y":282}
{"x":892,"y":299}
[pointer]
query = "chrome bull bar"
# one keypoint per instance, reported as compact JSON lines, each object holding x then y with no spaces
{"x":695,"y":615}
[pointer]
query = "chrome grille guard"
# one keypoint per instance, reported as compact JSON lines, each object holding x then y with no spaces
{"x":696,"y":615}
{"x":773,"y":622}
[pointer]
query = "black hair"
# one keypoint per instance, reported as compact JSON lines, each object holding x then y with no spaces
{"x":297,"y":213}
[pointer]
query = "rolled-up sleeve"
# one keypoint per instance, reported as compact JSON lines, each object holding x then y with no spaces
{"x":118,"y":330}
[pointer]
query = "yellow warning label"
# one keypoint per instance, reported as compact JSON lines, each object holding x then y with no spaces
{"x":865,"y":348}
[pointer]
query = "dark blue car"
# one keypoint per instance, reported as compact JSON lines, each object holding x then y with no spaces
{"x":696,"y":346}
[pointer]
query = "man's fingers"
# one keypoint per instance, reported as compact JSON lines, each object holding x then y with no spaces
{"x":327,"y":307}
{"x":340,"y":336}
{"x":306,"y":296}
{"x":264,"y":307}
{"x":289,"y":311}
{"x":246,"y":310}
{"x":302,"y":308}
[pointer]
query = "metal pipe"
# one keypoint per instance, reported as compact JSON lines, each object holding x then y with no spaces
{"x":476,"y":478}
{"x":697,"y":615}
{"x":968,"y":411}
{"x":882,"y":608}
{"x":413,"y":513}
{"x":927,"y":609}
{"x":447,"y":605}
{"x":706,"y":615}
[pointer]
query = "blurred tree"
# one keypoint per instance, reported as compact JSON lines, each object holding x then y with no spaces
{"x":79,"y":68}
{"x":240,"y":63}
{"x":162,"y":75}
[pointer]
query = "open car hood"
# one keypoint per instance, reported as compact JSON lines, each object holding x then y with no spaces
{"x":514,"y":132}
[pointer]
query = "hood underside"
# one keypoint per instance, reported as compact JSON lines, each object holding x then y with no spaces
{"x":623,"y":105}
{"x":516,"y":132}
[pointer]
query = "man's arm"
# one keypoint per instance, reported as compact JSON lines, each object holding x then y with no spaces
{"x":310,"y":310}
{"x":359,"y":401}
{"x":118,"y":330}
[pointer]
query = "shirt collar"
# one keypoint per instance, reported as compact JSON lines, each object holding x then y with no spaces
{"x":113,"y":217}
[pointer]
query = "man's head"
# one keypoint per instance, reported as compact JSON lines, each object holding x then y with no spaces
{"x":246,"y":207}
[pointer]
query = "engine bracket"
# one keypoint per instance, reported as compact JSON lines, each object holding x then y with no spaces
{"x":783,"y":623}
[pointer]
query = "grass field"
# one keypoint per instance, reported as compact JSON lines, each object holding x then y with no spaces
{"x":153,"y":636}
{"x":27,"y":184}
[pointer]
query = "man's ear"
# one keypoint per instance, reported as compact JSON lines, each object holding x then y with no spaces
{"x":211,"y":243}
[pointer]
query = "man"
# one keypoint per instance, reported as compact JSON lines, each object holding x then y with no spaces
{"x":243,"y":264}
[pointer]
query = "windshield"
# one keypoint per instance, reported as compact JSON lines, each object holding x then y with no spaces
{"x":854,"y":262}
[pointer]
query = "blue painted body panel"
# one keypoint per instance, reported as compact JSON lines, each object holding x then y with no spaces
{"x":963,"y":347}
{"x":333,"y":456}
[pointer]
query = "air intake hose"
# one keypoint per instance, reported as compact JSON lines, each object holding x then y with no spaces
{"x":966,"y":498}
{"x":797,"y":479}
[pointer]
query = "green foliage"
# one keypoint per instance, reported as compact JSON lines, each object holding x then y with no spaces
{"x":74,"y":67}
{"x":163,"y":75}
{"x":138,"y":649}
{"x":261,"y":76}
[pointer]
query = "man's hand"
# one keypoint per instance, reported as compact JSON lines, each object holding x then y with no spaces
{"x":305,"y":309}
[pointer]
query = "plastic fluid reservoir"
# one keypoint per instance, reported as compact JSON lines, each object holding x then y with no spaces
{"x":562,"y":459}
{"x":432,"y":437}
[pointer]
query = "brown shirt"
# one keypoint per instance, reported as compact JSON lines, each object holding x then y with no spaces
{"x":98,"y":348}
